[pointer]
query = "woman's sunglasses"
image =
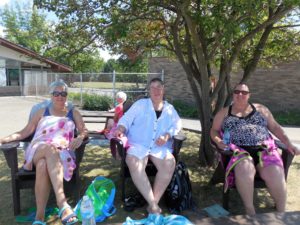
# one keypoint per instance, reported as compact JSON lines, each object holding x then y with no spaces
{"x":237,"y":92}
{"x":58,"y":93}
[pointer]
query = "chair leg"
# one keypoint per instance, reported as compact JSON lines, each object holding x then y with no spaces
{"x":77,"y":186}
{"x":123,"y":187}
{"x":16,"y":197}
{"x":226,"y":200}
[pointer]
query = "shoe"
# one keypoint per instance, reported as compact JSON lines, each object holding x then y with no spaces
{"x":129,"y":204}
{"x":38,"y":222}
{"x":65,"y":220}
{"x":133,"y":202}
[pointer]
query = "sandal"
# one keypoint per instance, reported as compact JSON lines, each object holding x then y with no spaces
{"x":38,"y":222}
{"x":65,"y":220}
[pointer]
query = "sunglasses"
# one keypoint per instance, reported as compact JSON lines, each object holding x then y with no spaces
{"x":58,"y":93}
{"x":237,"y":92}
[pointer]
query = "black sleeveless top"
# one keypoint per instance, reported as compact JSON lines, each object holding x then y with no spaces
{"x":250,"y":130}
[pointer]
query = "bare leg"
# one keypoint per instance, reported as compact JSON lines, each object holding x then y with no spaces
{"x":165,"y":169}
{"x":50,"y":155}
{"x":109,"y":124}
{"x":274,"y":177}
{"x":42,"y":188}
{"x":244,"y":181}
{"x":140,"y":178}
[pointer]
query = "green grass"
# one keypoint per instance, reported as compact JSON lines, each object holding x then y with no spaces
{"x":291,"y":118}
{"x":108,"y":85}
{"x":97,"y":161}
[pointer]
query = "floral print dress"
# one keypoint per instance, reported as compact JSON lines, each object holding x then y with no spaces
{"x":56,"y":131}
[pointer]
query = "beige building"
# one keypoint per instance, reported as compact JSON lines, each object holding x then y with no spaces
{"x":24,"y":72}
{"x":277,"y":88}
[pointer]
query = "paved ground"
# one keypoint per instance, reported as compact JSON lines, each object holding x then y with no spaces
{"x":15,"y":110}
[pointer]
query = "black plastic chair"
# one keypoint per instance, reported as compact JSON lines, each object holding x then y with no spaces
{"x":21,"y":179}
{"x":116,"y":145}
{"x":219,"y":174}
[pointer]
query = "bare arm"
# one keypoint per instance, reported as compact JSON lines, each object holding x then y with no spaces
{"x":216,"y":127}
{"x":276,"y":129}
{"x":26,"y":131}
{"x":81,"y":128}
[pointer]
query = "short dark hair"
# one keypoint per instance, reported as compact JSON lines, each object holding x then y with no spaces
{"x":241,"y":84}
{"x":156,"y":79}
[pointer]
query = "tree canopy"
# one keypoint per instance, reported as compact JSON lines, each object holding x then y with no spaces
{"x":202,"y":35}
{"x":29,"y":27}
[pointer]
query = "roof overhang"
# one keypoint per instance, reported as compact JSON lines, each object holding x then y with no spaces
{"x":16,"y":52}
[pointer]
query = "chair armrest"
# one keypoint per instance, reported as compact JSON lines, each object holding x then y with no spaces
{"x":177,"y":143}
{"x":116,"y":146}
{"x":287,"y":156}
{"x":10,"y":145}
{"x":10,"y":152}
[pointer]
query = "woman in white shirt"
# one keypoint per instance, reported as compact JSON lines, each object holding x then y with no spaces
{"x":149,"y":126}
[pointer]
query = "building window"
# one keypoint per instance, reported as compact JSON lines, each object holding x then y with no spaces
{"x":13,"y":77}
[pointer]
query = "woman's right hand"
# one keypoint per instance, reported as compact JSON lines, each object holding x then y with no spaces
{"x":223,"y":146}
{"x":119,"y":132}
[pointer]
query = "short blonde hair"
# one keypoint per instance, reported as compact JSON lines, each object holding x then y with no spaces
{"x":122,"y":95}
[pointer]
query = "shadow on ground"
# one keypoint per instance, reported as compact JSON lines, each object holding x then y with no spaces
{"x":97,"y":161}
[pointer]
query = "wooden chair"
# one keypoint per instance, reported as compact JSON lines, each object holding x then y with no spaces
{"x":219,"y":174}
{"x":21,"y":179}
{"x":116,"y":145}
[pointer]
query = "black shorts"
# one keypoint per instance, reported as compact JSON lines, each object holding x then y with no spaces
{"x":253,"y":151}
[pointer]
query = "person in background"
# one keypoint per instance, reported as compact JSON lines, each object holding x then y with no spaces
{"x":249,"y":126}
{"x":50,"y":151}
{"x":149,"y":124}
{"x":121,"y":97}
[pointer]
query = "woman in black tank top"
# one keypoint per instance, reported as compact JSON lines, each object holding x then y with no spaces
{"x":249,"y":126}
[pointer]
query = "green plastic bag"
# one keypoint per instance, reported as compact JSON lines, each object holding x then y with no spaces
{"x":102,"y":193}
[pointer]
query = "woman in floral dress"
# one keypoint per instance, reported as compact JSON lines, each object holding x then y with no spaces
{"x":51,"y":151}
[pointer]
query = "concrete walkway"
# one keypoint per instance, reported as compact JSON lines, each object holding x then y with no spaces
{"x":15,"y":110}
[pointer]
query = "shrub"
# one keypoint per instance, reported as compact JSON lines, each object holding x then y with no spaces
{"x":92,"y":101}
{"x":96,"y":102}
{"x":185,"y":110}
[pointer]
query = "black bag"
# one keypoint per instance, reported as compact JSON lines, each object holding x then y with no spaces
{"x":178,"y":194}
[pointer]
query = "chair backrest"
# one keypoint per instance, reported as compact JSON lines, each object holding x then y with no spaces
{"x":128,"y":103}
{"x":47,"y":103}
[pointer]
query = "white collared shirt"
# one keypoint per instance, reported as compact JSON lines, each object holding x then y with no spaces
{"x":143,"y":128}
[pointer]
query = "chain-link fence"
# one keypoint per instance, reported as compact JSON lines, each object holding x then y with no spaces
{"x":133,"y":84}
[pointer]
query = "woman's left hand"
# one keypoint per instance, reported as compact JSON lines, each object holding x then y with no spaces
{"x":75,"y":143}
{"x":293,"y":149}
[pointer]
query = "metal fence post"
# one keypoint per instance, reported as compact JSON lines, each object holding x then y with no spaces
{"x":36,"y":92}
{"x":81,"y":100}
{"x":114,"y":87}
{"x":162,"y":75}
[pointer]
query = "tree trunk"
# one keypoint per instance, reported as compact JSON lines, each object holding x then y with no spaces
{"x":206,"y":152}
